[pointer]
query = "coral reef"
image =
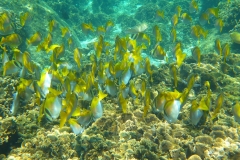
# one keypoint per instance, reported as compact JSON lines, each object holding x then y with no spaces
{"x":136,"y":132}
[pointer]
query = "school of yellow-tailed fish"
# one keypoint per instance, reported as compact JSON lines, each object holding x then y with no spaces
{"x":60,"y":91}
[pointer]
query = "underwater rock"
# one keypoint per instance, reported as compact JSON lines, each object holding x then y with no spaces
{"x":105,"y":6}
{"x":8,"y":135}
{"x":143,"y":13}
{"x":47,"y":144}
{"x":229,"y":13}
{"x":195,"y":157}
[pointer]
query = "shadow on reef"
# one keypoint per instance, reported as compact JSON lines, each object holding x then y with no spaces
{"x":12,"y":141}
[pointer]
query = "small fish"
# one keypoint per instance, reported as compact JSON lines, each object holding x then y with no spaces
{"x":137,"y":29}
{"x":219,"y":103}
{"x":122,"y":103}
{"x":126,"y":75}
{"x":35,"y":39}
{"x":196,"y":54}
{"x":204,"y":18}
{"x":96,"y":105}
{"x":213,"y":12}
{"x":176,"y":49}
{"x":52,"y":25}
{"x":52,"y":106}
{"x":99,"y":46}
{"x":132,"y":89}
{"x":69,"y":106}
{"x":193,"y":7}
{"x":12,"y":40}
{"x":17,"y":55}
{"x":174,"y":34}
{"x":45,"y":82}
{"x":198,"y":31}
{"x":159,"y":52}
{"x":70,"y":42}
{"x":157,"y":33}
{"x":74,"y":125}
{"x":16,"y":103}
{"x":159,"y":102}
{"x":146,"y":102}
{"x":11,"y":67}
{"x":219,"y":24}
{"x":77,"y":56}
{"x":148,"y":69}
{"x":141,"y":37}
{"x":178,"y":10}
{"x":87,"y":28}
{"x":186,"y":18}
{"x":65,"y":32}
{"x":197,"y":111}
{"x":174,"y":72}
{"x":109,"y":25}
{"x":180,"y":56}
{"x":174,"y":19}
{"x":191,"y":81}
{"x":225,"y":51}
{"x":58,"y":52}
{"x":159,"y":14}
{"x":124,"y":90}
{"x":45,"y":44}
{"x":27,"y":61}
{"x":5,"y":20}
{"x":235,"y":36}
{"x":5,"y":57}
{"x":172,"y":110}
{"x":218,"y":47}
{"x":25,"y":18}
{"x":7,"y":30}
{"x":101,"y":30}
{"x":236,"y":112}
{"x":111,"y":88}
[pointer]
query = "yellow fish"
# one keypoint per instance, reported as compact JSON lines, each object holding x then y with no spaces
{"x":225,"y":51}
{"x":213,"y":12}
{"x":204,"y":18}
{"x":219,"y":24}
{"x":159,"y":14}
{"x":178,"y":10}
{"x":77,"y":56}
{"x":218,"y":47}
{"x":219,"y":103}
{"x":52,"y":24}
{"x":236,"y":112}
{"x":193,"y":7}
{"x":173,"y":34}
{"x":25,"y":18}
{"x":11,"y":67}
{"x":109,"y":24}
{"x":196,"y":53}
{"x":235,"y":36}
{"x":12,"y":40}
{"x":5,"y":20}
{"x":7,"y":30}
{"x":65,"y":32}
{"x":159,"y":52}
{"x":35,"y":39}
{"x":186,"y":18}
{"x":101,"y":30}
{"x":157,"y":33}
{"x":86,"y":28}
{"x":174,"y":19}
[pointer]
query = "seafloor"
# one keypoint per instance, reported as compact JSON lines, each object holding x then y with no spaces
{"x":118,"y":135}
